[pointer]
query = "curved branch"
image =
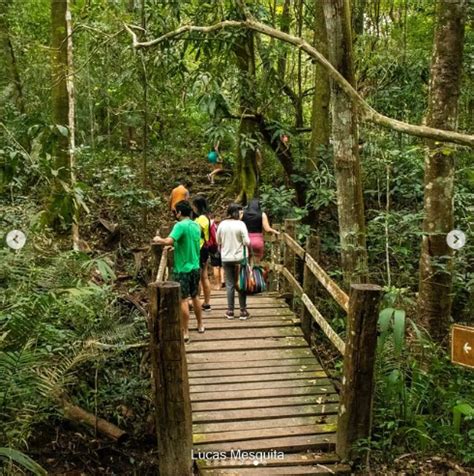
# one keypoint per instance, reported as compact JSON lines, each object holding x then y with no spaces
{"x":366,"y":112}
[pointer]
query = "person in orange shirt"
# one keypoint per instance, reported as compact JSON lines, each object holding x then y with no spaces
{"x":180,"y":192}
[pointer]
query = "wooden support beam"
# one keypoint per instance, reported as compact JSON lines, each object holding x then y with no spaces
{"x":355,"y":413}
{"x":309,"y":285}
{"x":170,"y":380}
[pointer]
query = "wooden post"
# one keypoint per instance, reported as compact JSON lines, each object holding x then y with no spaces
{"x":309,"y":284}
{"x":289,"y":257}
{"x":272,"y":278}
{"x":170,"y":381}
{"x":157,"y":251}
{"x":355,"y":411}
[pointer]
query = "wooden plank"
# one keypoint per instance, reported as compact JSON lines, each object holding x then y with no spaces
{"x":262,"y":413}
{"x":254,"y":371}
{"x":257,"y":385}
{"x":333,"y":289}
{"x":239,"y":333}
{"x":238,"y":364}
{"x":325,"y":326}
{"x":320,"y":469}
{"x":243,"y":355}
{"x":252,"y":305}
{"x":262,"y":393}
{"x":265,"y":402}
{"x":256,"y":378}
{"x":246,"y":344}
{"x":221,"y":427}
{"x":253,"y":323}
{"x":290,"y":459}
{"x":292,"y":443}
{"x":258,"y":299}
{"x":243,"y":435}
{"x":267,"y":312}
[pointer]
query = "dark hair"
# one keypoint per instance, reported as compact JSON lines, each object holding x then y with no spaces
{"x":184,"y":207}
{"x":200,"y":203}
{"x":254,"y":206}
{"x":233,"y":210}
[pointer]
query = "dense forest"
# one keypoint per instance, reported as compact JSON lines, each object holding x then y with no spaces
{"x":353,"y":116}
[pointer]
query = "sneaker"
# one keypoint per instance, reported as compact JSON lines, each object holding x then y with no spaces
{"x":222,"y":285}
{"x":244,"y":315}
{"x":206,"y":307}
{"x":229,"y":314}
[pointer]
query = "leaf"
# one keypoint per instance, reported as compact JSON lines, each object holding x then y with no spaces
{"x":64,"y":131}
{"x":463,"y":409}
{"x":384,"y":319}
{"x":23,"y":460}
{"x":399,"y":329}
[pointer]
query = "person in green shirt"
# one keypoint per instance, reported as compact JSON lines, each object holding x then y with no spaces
{"x":185,"y":238}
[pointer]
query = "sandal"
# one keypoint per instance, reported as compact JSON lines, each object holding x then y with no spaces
{"x":186,"y":339}
{"x":201,"y":330}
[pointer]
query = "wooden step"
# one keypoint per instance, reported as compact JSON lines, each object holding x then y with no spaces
{"x":247,"y":364}
{"x":223,"y":427}
{"x":254,"y":370}
{"x":262,"y":413}
{"x":239,"y":333}
{"x":247,"y":344}
{"x":245,"y":355}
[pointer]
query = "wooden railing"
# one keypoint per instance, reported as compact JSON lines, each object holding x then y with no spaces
{"x":358,"y":350}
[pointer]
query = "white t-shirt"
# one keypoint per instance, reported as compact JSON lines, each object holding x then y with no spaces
{"x":232,"y":235}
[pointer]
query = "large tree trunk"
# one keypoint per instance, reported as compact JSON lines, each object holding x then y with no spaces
{"x":320,"y":112}
{"x":345,"y":143}
{"x":63,"y":208}
{"x":434,"y":299}
{"x":247,"y":176}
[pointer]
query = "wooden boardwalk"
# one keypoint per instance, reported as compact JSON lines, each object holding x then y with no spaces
{"x":256,"y":387}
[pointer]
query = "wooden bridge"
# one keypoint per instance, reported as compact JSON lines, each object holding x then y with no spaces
{"x":250,"y":397}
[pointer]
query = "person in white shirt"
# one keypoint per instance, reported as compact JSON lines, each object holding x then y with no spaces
{"x":232,"y":237}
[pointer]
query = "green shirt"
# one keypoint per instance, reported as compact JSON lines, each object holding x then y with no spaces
{"x":186,"y":235}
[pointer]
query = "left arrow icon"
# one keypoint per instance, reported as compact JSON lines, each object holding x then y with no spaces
{"x":467,"y":348}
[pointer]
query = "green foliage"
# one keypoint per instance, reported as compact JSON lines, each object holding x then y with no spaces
{"x":23,"y":460}
{"x":417,"y":391}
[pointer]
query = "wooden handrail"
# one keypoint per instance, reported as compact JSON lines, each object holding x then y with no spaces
{"x":333,"y":289}
{"x":317,"y":316}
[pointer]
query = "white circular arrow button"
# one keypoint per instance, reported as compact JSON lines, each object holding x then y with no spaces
{"x":16,"y":239}
{"x":456,"y":239}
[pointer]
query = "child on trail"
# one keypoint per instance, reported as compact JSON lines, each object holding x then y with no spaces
{"x":232,"y":236}
{"x":215,"y":160}
{"x":200,"y":209}
{"x":180,"y":192}
{"x":185,"y":237}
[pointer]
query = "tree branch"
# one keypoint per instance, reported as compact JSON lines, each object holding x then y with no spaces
{"x":366,"y":112}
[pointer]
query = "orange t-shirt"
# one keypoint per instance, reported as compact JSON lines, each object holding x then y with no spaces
{"x":177,"y":194}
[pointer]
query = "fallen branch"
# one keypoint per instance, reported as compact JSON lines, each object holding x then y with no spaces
{"x":366,"y":112}
{"x":79,"y":415}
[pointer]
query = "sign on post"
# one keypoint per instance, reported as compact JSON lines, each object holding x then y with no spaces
{"x":462,"y":345}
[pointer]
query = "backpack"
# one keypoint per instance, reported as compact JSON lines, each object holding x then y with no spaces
{"x":211,"y":243}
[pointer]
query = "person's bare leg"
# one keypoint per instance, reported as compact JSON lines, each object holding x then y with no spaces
{"x":206,"y":284}
{"x":185,"y":316}
{"x":222,"y":276}
{"x":198,"y":312}
{"x":217,"y":273}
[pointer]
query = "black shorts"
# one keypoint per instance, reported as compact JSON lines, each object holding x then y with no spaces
{"x":203,"y":256}
{"x":216,"y":259}
{"x":189,"y":283}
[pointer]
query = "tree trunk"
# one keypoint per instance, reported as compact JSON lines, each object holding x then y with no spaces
{"x":8,"y":67}
{"x":320,"y":113}
{"x":434,"y":299}
{"x":247,"y":176}
{"x":345,"y":142}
